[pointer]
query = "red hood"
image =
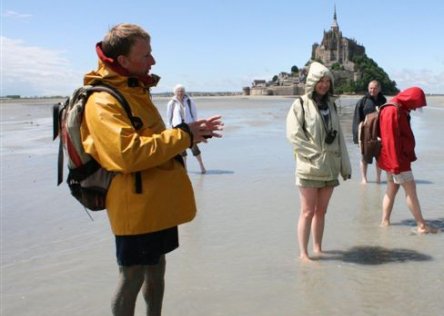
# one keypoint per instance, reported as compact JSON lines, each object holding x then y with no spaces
{"x":410,"y":98}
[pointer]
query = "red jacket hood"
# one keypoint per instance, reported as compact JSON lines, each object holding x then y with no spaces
{"x":148,"y":80}
{"x":410,"y":98}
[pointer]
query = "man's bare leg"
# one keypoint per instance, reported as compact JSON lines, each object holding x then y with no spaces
{"x":363,"y":166}
{"x":129,"y":284}
{"x":154,"y":287}
{"x":378,"y":173}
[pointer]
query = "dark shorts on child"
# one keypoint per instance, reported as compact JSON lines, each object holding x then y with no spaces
{"x":146,"y":249}
{"x":195,"y":150}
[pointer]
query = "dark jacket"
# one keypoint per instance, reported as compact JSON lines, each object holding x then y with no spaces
{"x":367,"y":104}
{"x":397,"y":139}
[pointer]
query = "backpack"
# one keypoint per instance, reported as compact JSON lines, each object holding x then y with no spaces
{"x":370,"y":135}
{"x":357,"y":119}
{"x":87,"y":180}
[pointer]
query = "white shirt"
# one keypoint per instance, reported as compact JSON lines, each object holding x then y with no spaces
{"x":178,"y":112}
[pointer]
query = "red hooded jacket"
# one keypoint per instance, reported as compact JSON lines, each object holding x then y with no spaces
{"x":397,"y":139}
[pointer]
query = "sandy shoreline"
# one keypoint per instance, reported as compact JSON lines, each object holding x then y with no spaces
{"x":435,"y":99}
{"x":238,"y":257}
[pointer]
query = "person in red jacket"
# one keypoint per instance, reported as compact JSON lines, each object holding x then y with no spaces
{"x":398,"y":152}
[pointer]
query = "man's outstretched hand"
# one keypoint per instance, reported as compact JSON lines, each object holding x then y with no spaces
{"x":206,"y":128}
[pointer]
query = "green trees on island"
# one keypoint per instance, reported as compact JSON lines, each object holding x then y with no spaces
{"x":356,"y":81}
{"x":294,"y":70}
{"x":369,"y":71}
{"x":337,"y":66}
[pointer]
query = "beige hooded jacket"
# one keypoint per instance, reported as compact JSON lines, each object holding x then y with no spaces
{"x":315,"y":159}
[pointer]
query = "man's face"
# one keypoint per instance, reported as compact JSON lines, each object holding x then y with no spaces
{"x":139,"y":60}
{"x":373,"y":89}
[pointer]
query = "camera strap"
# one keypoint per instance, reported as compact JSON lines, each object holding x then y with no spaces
{"x":325,"y":112}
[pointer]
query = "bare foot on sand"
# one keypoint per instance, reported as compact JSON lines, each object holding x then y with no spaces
{"x":424,"y":229}
{"x":318,"y":252}
{"x":305,"y":259}
{"x":385,"y":223}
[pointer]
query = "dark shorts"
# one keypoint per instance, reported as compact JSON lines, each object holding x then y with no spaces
{"x":195,"y":150}
{"x":145,"y":249}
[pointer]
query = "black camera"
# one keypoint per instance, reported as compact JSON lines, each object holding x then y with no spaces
{"x":331,"y":135}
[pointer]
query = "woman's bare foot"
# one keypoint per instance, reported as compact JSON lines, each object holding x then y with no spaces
{"x":385,"y":223}
{"x":318,"y":251}
{"x":425,"y":229}
{"x":305,"y":259}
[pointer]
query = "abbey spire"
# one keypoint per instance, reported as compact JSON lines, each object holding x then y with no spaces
{"x":335,"y":26}
{"x":336,"y":49}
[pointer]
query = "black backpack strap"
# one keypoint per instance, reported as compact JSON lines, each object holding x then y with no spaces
{"x":189,"y":107}
{"x":60,"y":164}
{"x":135,"y":121}
{"x":173,"y":104}
{"x":303,"y":113}
{"x":55,"y":120}
{"x":56,"y":125}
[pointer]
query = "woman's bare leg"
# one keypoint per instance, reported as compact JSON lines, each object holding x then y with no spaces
{"x":318,"y":223}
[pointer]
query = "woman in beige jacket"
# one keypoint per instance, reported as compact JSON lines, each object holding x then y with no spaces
{"x":320,"y":151}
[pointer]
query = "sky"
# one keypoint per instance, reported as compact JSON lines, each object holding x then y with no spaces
{"x":47,"y":45}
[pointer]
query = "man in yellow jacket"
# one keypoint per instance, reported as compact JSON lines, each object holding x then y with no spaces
{"x":144,"y":223}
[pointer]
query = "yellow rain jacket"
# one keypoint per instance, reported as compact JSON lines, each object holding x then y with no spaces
{"x":167,"y":197}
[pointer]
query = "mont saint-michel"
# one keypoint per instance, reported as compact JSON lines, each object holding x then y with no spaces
{"x":351,"y":67}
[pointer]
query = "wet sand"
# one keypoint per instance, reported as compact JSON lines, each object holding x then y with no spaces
{"x":239,"y":256}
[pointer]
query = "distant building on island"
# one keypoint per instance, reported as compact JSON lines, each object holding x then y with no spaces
{"x":335,"y":51}
{"x":335,"y":48}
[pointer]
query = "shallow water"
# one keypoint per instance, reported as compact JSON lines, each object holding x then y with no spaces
{"x":238,"y":257}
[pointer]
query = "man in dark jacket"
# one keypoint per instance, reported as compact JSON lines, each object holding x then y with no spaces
{"x":367,"y":104}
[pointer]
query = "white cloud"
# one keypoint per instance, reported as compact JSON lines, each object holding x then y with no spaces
{"x":14,"y":14}
{"x":35,"y":71}
{"x":432,"y":81}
